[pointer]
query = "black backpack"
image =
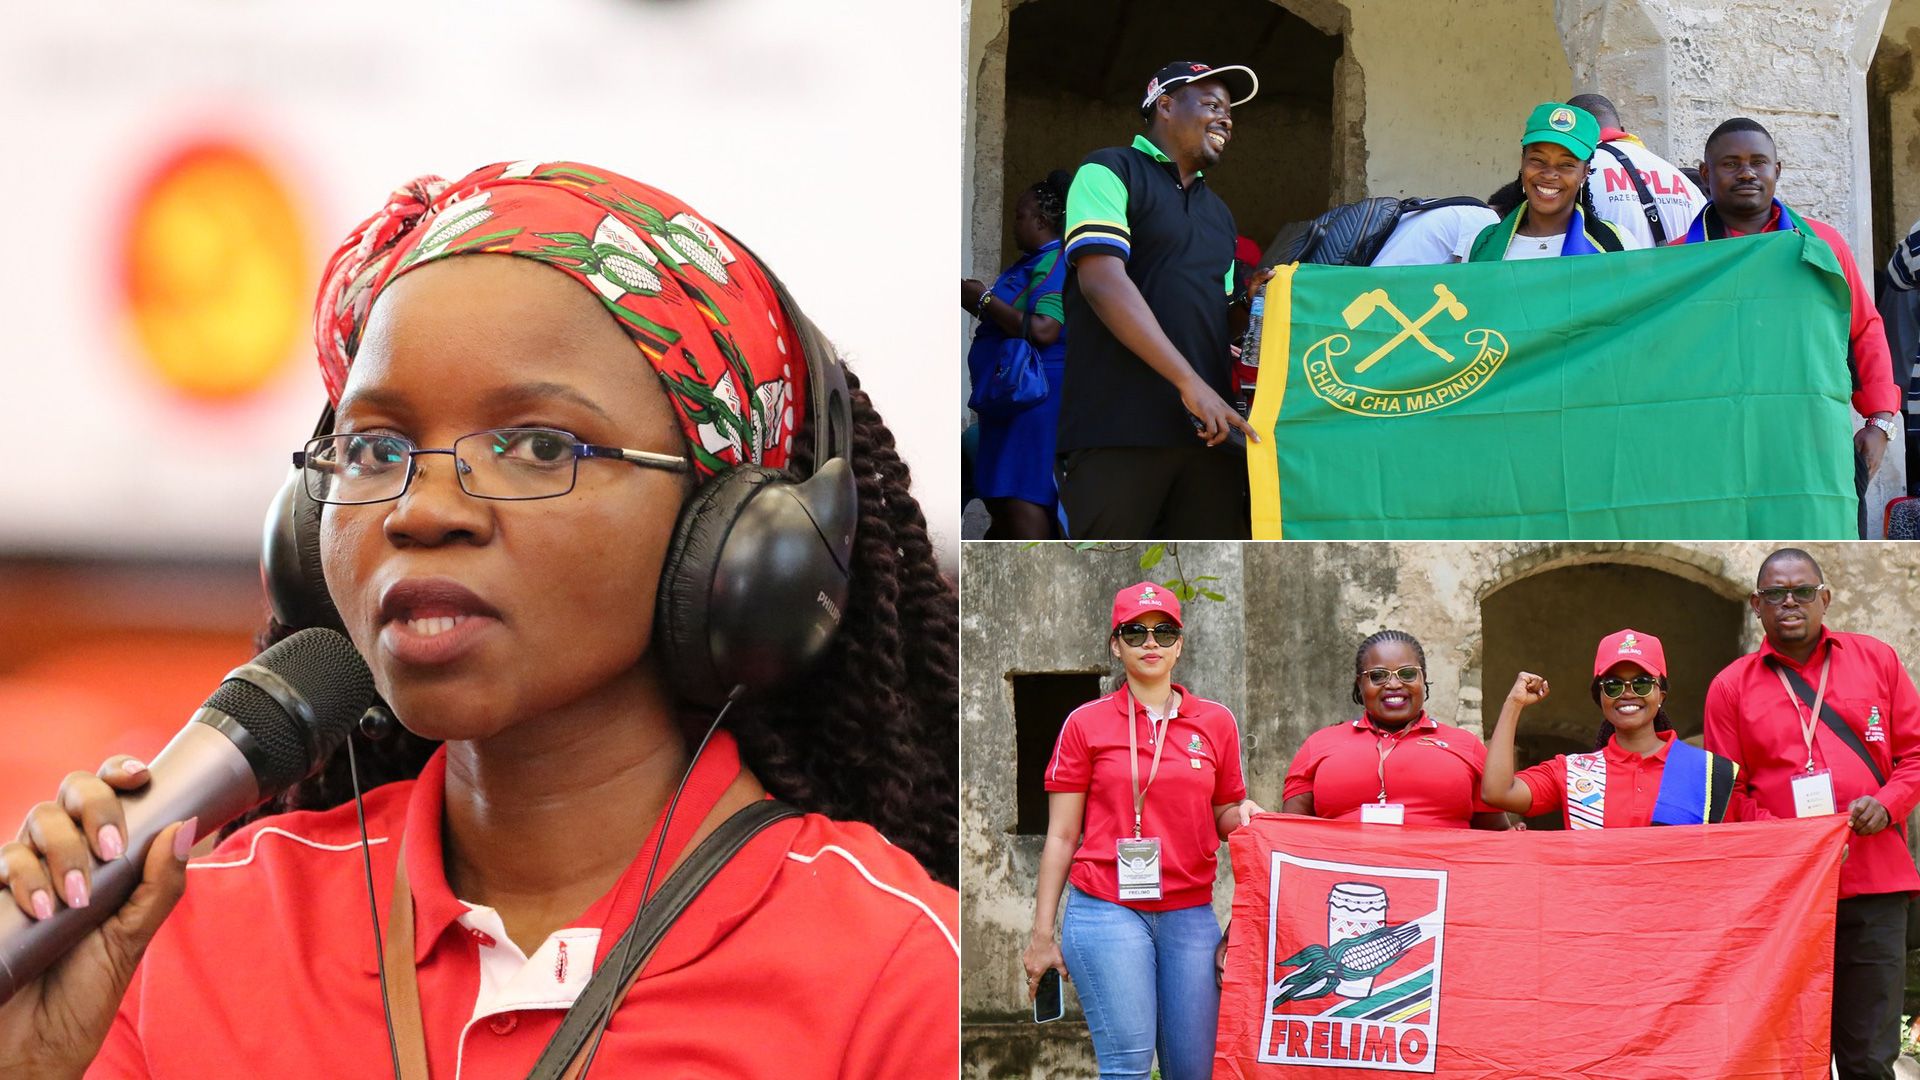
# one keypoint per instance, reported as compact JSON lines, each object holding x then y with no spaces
{"x":1349,"y":235}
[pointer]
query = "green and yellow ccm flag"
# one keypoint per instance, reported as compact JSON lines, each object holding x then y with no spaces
{"x":1687,"y":392}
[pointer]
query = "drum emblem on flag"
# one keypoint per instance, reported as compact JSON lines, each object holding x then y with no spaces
{"x":1413,"y":383}
{"x":1353,"y":971}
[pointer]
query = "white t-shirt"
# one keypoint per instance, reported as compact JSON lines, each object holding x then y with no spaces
{"x":1534,"y":247}
{"x":1617,"y":201}
{"x":1443,"y":234}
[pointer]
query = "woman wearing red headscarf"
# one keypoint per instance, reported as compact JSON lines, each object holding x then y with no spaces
{"x":629,"y":347}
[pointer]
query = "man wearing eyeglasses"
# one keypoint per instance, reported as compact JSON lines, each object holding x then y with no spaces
{"x":1825,"y":722}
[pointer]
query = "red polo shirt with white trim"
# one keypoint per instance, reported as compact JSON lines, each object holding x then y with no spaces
{"x":1750,"y":719}
{"x":820,"y":950}
{"x":1633,"y":787}
{"x":1432,"y":769}
{"x":1199,"y":770}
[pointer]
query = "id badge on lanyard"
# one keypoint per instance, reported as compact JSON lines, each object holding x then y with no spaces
{"x":1382,"y":812}
{"x":1137,"y":860}
{"x":1813,"y":789}
{"x":1138,"y":863}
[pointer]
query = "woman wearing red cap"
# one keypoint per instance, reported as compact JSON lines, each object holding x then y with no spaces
{"x":1638,"y":774}
{"x":549,"y":383}
{"x":1394,"y":764}
{"x":1145,"y":783}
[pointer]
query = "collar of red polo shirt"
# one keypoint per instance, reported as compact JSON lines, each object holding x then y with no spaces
{"x":1364,"y":722}
{"x":1820,"y":644}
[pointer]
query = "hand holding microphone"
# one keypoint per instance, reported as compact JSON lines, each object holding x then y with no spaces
{"x":95,"y":872}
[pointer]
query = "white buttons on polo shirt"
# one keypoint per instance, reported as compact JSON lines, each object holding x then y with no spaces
{"x":551,"y":978}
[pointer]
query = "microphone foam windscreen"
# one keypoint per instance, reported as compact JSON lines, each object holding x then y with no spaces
{"x":321,"y":667}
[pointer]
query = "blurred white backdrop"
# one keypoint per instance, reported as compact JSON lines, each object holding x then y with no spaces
{"x":819,"y":133}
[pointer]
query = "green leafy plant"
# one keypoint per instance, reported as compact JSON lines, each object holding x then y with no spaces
{"x":1188,"y":589}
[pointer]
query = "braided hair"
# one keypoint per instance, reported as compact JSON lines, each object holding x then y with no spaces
{"x":1050,"y":199}
{"x":1382,"y":638}
{"x":1605,"y":734}
{"x":868,"y":734}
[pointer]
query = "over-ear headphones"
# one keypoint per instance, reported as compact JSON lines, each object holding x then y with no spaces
{"x":756,"y":577}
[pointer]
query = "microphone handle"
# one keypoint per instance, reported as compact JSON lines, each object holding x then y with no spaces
{"x":202,"y":773}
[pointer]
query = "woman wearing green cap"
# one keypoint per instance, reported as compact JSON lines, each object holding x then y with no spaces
{"x":1556,"y":216}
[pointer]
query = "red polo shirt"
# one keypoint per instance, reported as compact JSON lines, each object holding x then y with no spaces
{"x":1199,"y":770}
{"x":1750,"y":718}
{"x":820,"y":950}
{"x":1432,"y":769}
{"x":1633,"y":786}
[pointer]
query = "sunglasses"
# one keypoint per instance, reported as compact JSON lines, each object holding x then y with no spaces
{"x":1378,"y":676}
{"x":1642,"y":685}
{"x":1137,"y":634}
{"x":1802,"y":593}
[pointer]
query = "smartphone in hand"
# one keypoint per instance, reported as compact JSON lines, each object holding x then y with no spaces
{"x":1048,"y":1003}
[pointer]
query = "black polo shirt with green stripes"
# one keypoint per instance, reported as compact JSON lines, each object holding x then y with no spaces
{"x":1178,"y":246}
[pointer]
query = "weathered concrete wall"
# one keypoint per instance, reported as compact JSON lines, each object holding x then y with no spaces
{"x":1902,"y":34}
{"x":1279,"y":652}
{"x":1799,"y":67}
{"x":1448,"y":85}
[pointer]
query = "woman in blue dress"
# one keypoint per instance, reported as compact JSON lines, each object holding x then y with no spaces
{"x":1013,"y":471}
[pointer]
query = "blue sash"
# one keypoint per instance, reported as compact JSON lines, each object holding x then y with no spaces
{"x":1694,"y":787}
{"x":1703,"y":230}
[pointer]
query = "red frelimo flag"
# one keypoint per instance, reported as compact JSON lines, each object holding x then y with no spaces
{"x":1615,"y":954}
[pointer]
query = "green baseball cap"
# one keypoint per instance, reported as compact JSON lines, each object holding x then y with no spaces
{"x":1567,"y":125}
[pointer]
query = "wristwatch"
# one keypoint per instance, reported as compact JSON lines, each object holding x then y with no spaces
{"x":1886,"y":426}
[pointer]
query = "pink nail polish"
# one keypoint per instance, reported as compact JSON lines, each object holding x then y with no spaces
{"x":76,"y":889}
{"x":111,"y":846}
{"x":183,"y":840}
{"x":42,"y":904}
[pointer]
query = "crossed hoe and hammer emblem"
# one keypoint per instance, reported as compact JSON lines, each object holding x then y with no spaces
{"x":1364,"y":305}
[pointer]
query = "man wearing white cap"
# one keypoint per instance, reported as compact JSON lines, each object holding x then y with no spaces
{"x":1144,"y":412}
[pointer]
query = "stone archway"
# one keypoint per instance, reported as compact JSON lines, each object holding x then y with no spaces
{"x":1547,"y":619}
{"x":1073,"y":70}
{"x":1893,"y":128}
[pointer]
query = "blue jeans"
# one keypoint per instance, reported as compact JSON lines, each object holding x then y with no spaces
{"x":1145,"y":980}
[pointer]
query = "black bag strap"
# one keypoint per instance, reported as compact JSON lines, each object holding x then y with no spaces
{"x":601,"y":993}
{"x":1416,"y":205}
{"x":1830,"y":718}
{"x":1647,"y":206}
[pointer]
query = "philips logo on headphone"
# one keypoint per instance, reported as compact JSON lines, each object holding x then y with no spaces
{"x":826,"y":601}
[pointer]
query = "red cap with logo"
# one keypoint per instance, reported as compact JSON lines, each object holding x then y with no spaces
{"x":1135,"y":600}
{"x":1634,"y":647}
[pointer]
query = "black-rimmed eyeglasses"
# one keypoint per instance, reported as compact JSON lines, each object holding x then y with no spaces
{"x":503,"y":463}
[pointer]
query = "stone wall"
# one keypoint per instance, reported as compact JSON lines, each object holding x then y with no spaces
{"x":1279,"y":652}
{"x":1900,"y":41}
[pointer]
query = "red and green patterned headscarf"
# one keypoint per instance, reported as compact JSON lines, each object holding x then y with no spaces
{"x":703,"y":314}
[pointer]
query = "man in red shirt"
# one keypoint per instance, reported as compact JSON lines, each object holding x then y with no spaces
{"x":1827,"y":722}
{"x":1741,"y":168}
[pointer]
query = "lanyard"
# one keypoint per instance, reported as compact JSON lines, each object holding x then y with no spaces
{"x":1133,"y":761}
{"x":1812,"y":720}
{"x":1385,"y":746}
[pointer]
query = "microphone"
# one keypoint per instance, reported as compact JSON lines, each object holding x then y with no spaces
{"x":271,"y":724}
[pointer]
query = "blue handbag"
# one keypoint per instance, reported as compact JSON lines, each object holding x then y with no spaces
{"x":1018,"y":382}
